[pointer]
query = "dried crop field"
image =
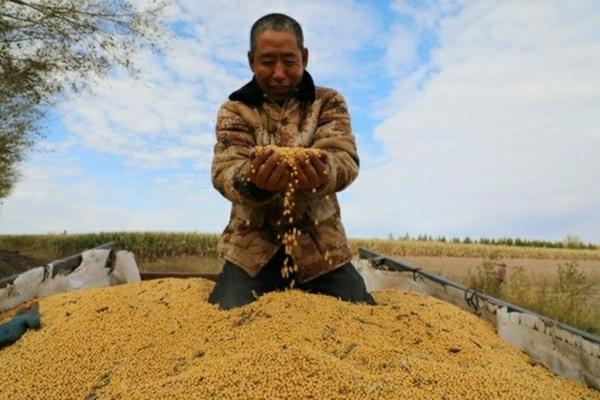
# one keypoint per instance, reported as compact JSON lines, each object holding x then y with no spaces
{"x":459,"y":268}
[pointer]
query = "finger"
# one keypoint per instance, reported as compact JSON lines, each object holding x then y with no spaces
{"x":274,"y":181}
{"x":269,"y":167}
{"x":296,"y":169}
{"x":323,"y":155}
{"x":258,"y":159}
{"x":302,"y":158}
{"x":274,"y":161}
{"x":321,"y":167}
{"x":323,"y":170}
{"x":311,"y":174}
{"x":265,"y":169}
{"x":284,"y":181}
{"x":301,"y":180}
{"x":262,"y":156}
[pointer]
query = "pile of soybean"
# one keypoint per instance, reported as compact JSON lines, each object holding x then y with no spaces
{"x":161,"y":340}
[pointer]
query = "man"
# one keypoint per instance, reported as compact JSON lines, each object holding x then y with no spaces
{"x":281,"y":106}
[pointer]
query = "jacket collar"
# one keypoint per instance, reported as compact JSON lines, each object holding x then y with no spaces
{"x":251,"y":94}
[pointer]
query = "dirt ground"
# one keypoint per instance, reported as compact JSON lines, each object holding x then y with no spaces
{"x":13,"y":263}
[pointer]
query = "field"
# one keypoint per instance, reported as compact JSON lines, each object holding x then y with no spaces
{"x":561,"y":283}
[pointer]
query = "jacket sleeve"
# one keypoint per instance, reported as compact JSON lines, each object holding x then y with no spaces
{"x":231,"y":158}
{"x":334,"y":135}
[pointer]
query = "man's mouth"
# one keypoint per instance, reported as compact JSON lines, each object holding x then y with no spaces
{"x":280,"y":89}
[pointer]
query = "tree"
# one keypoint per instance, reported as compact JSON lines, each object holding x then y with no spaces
{"x":17,"y":124}
{"x":573,"y":242}
{"x":49,"y":48}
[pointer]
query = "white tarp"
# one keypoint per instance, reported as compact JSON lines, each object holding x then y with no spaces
{"x":561,"y":351}
{"x":92,"y":272}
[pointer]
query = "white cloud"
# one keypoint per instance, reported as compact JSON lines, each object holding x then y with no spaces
{"x":151,"y":121}
{"x":402,"y":51}
{"x":333,"y":30}
{"x":503,"y":138}
{"x":427,"y":14}
{"x":57,"y":196}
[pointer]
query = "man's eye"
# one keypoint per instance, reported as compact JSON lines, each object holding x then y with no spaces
{"x":267,"y":62}
{"x":289,"y":63}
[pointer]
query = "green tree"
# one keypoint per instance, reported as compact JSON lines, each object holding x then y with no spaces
{"x":49,"y":48}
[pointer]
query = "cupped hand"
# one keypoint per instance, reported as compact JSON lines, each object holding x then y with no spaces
{"x":267,"y":171}
{"x":313,"y":170}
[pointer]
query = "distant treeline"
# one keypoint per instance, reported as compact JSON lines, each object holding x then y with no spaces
{"x":570,"y":242}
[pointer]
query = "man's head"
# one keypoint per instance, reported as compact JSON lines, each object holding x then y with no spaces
{"x":277,"y":55}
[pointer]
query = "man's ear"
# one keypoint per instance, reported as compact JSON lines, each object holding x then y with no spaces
{"x":250,"y":63}
{"x":304,"y":57}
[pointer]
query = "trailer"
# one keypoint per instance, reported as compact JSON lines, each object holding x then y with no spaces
{"x":565,"y":350}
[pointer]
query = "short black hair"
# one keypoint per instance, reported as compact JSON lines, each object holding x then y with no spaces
{"x":276,"y":22}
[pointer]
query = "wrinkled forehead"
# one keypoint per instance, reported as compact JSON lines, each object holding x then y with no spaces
{"x":279,"y":41}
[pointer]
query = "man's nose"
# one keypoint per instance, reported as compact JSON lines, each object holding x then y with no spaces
{"x":279,"y":71}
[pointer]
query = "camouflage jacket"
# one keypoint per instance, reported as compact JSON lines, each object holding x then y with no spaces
{"x":315,"y":117}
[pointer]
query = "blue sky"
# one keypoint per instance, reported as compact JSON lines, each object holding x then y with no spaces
{"x":473,"y":118}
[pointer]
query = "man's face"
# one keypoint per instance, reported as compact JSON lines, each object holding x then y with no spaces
{"x":278,"y":63}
